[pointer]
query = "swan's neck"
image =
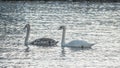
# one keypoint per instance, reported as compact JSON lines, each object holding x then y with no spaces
{"x":5,"y":29}
{"x":27,"y":35}
{"x":63,"y":37}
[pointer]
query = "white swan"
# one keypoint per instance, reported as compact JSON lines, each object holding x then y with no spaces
{"x":40,"y":41}
{"x":74,"y":43}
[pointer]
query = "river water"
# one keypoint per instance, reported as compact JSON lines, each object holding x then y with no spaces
{"x":94,"y":22}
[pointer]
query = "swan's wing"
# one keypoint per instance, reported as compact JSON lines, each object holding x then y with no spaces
{"x":50,"y":41}
{"x":44,"y":42}
{"x":79,"y":43}
{"x":74,"y":43}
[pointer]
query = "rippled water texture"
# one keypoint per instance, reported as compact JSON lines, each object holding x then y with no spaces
{"x":93,"y":22}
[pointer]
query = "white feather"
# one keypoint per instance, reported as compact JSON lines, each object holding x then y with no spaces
{"x":74,"y":43}
{"x":78,"y":43}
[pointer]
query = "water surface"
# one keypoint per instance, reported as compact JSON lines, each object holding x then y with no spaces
{"x":93,"y":22}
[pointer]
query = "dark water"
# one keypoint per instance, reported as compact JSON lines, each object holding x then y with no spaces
{"x":93,"y":22}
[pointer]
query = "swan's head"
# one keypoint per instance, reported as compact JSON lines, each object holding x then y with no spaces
{"x":26,"y":26}
{"x":61,"y":27}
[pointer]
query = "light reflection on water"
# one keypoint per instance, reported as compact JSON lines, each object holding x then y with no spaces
{"x":97,"y":23}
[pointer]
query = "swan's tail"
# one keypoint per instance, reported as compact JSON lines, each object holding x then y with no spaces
{"x":93,"y":44}
{"x":56,"y":42}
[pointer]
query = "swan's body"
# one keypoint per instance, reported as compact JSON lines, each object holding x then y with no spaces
{"x":74,"y":43}
{"x":44,"y":42}
{"x":40,"y":41}
{"x":78,"y":43}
